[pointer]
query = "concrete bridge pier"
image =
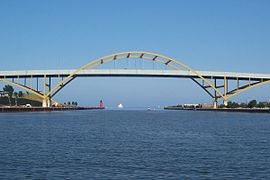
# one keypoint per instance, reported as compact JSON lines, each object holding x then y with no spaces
{"x":47,"y":102}
{"x":215,"y":104}
{"x":225,"y":103}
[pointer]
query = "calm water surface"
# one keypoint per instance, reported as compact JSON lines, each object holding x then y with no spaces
{"x":134,"y":145}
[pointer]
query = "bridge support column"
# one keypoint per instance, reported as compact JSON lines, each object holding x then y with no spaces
{"x":215,"y":104}
{"x":225,"y":103}
{"x":46,"y":102}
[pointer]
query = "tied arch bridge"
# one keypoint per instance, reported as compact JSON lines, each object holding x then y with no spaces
{"x":218,"y":85}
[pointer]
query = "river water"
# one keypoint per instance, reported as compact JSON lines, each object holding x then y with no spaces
{"x":134,"y":145}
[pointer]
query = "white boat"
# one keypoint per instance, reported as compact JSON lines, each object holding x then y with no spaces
{"x":120,"y":106}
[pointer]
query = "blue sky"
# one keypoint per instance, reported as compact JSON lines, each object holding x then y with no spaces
{"x":218,"y":35}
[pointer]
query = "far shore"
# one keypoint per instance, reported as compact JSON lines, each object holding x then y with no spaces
{"x":249,"y":110}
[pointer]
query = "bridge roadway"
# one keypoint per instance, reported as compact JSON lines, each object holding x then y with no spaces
{"x":134,"y":73}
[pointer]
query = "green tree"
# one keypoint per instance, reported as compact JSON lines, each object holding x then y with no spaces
{"x":252,"y":104}
{"x":233,"y":105}
{"x":229,"y":104}
{"x":9,"y":89}
{"x":20,"y":94}
{"x":243,"y":105}
{"x":261,"y":105}
{"x":222,"y":106}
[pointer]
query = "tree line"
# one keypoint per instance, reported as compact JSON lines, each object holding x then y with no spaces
{"x":250,"y":104}
{"x":73,"y":103}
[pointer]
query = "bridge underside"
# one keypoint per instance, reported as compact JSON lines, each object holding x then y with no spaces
{"x":132,"y":73}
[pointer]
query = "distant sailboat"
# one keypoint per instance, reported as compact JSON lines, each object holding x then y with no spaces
{"x":120,"y":106}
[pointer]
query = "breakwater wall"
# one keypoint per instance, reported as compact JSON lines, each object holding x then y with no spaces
{"x":40,"y":109}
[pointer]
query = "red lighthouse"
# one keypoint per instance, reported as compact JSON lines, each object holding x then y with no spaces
{"x":100,"y":104}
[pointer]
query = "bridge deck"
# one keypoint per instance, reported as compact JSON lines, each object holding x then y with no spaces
{"x":133,"y":72}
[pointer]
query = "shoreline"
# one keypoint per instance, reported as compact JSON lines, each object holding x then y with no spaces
{"x":43,"y":109}
{"x":247,"y":110}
